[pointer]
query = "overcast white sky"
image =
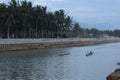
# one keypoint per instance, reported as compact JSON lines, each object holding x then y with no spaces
{"x":101,"y":14}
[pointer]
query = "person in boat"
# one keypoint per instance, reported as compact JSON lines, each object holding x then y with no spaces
{"x":63,"y":53}
{"x":118,"y":63}
{"x":89,"y":53}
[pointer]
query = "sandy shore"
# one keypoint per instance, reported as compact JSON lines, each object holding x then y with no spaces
{"x":23,"y":44}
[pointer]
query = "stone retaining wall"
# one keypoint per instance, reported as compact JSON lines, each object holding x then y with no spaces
{"x":51,"y":43}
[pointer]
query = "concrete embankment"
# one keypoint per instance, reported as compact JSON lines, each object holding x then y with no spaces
{"x":23,"y":44}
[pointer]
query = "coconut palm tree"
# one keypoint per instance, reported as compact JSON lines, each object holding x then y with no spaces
{"x":37,"y":12}
{"x":26,"y":8}
{"x":68,"y":25}
{"x":44,"y":20}
{"x":24,"y":20}
{"x":10,"y":13}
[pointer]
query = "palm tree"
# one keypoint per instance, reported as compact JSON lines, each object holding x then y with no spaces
{"x":8,"y":24}
{"x":44,"y":9}
{"x":2,"y":17}
{"x":38,"y":18}
{"x":51,"y":24}
{"x":25,"y":9}
{"x":68,"y":24}
{"x":24,"y":20}
{"x":76,"y":29}
{"x":60,"y":21}
{"x":10,"y":13}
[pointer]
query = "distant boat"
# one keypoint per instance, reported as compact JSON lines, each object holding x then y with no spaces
{"x":89,"y":53}
{"x":64,"y":53}
{"x":118,"y":63}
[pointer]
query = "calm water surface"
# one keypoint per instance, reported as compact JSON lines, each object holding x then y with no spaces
{"x":45,"y":64}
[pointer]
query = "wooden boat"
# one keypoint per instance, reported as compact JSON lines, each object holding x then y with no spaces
{"x":89,"y":53}
{"x":118,"y":63}
{"x":64,"y":53}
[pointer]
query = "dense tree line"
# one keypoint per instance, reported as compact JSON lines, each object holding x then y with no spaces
{"x":23,"y":20}
{"x":77,"y":31}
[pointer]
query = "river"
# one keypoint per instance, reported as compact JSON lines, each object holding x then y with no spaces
{"x":45,"y":64}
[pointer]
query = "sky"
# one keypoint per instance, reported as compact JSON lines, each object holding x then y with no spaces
{"x":100,"y":14}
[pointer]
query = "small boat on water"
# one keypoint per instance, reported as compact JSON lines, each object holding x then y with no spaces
{"x":64,"y":53}
{"x":89,"y":53}
{"x":118,"y":63}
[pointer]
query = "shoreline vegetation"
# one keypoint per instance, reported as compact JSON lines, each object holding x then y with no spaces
{"x":27,"y":44}
{"x":23,"y":19}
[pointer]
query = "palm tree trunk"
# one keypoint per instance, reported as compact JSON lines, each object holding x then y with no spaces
{"x":36,"y":32}
{"x":24,"y":33}
{"x":42,"y":32}
{"x":29,"y":33}
{"x":52,"y":32}
{"x":36,"y":29}
{"x":8,"y":32}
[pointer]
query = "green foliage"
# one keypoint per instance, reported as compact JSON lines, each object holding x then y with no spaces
{"x":23,"y":20}
{"x":27,"y":21}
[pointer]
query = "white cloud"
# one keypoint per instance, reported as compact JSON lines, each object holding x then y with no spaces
{"x":4,"y":1}
{"x":47,"y":2}
{"x":40,"y":2}
{"x":59,"y":0}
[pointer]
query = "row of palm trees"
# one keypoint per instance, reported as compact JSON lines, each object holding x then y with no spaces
{"x":23,"y":20}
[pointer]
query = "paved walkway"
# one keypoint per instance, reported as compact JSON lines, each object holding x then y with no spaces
{"x":51,"y":40}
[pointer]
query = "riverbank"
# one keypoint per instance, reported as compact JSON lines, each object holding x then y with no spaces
{"x":23,"y":44}
{"x":115,"y":75}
